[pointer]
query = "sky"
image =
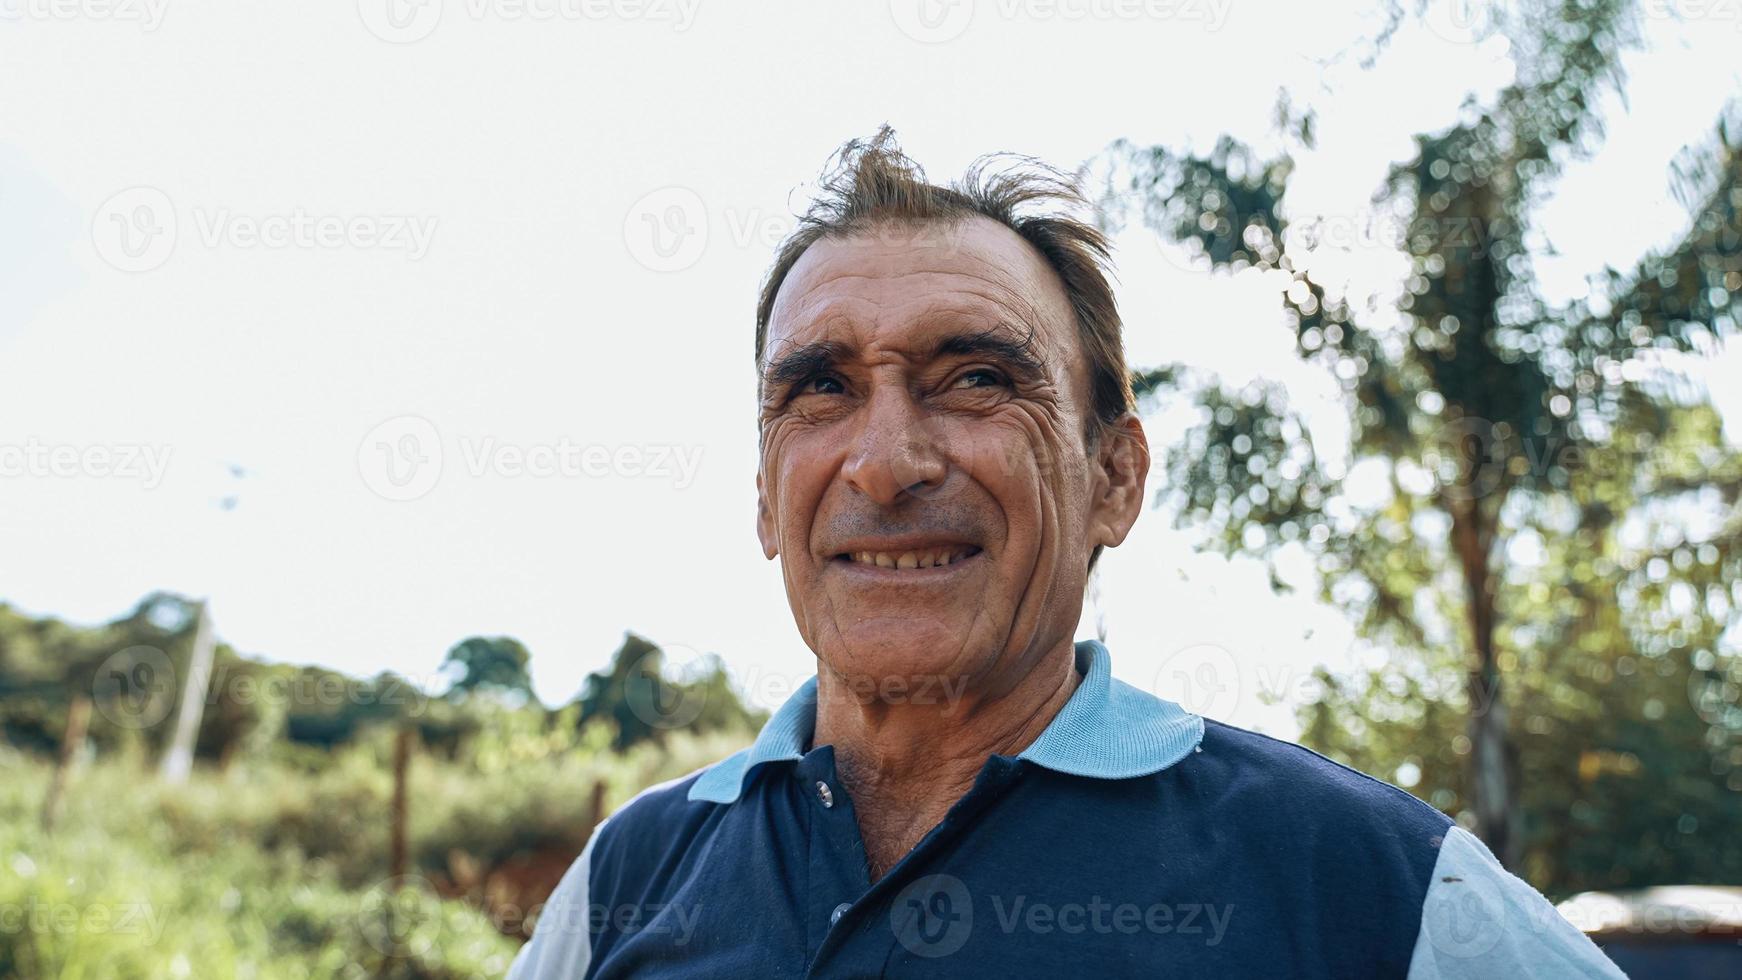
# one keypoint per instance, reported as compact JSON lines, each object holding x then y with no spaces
{"x":388,"y":323}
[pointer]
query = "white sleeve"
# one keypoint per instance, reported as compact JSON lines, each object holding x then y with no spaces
{"x":561,"y":946}
{"x":1479,"y":921}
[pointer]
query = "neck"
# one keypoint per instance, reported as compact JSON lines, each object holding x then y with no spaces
{"x":907,"y":763}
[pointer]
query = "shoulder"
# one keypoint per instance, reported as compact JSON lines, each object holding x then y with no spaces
{"x":1479,"y":920}
{"x":650,"y":831}
{"x":1364,"y":837}
{"x":562,"y":939}
{"x":1314,"y":829}
{"x":1309,"y":790}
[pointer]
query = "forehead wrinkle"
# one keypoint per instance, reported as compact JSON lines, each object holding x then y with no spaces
{"x":1015,"y":301}
{"x":981,"y":309}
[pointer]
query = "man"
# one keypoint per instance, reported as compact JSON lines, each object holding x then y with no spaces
{"x":948,"y":442}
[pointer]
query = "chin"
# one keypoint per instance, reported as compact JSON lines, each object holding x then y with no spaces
{"x":887,"y":653}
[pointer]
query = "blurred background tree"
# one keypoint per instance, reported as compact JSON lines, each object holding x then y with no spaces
{"x":496,"y":663}
{"x":634,"y":696}
{"x":1552,"y":563}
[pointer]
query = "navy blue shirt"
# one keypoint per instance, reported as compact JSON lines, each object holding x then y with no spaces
{"x":1132,"y":838}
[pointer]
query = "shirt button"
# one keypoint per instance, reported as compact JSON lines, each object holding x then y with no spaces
{"x":826,"y":795}
{"x":839,"y":911}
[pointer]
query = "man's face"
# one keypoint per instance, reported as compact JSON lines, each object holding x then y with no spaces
{"x":924,"y":475}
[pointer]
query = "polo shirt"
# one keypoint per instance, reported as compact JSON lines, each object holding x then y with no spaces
{"x":1132,"y":838}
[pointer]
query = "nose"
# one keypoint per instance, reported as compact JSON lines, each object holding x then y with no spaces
{"x":895,"y":451}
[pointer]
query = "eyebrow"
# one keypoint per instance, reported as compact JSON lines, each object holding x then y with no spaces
{"x":1000,"y":343}
{"x":799,"y":362}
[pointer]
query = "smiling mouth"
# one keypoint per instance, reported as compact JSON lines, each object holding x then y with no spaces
{"x":915,"y":558}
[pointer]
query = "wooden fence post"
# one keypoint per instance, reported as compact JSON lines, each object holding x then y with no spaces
{"x":401,"y":761}
{"x":78,"y":720}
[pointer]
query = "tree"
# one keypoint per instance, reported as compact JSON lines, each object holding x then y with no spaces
{"x":637,"y":698}
{"x":489,"y":663}
{"x":1493,"y":421}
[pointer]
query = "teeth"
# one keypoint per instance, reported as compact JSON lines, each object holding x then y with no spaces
{"x":935,"y":558}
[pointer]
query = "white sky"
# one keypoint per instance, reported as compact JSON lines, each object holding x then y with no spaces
{"x":533,"y":152}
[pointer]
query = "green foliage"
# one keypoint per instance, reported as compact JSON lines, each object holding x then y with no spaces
{"x":273,"y":859}
{"x":495,"y":663}
{"x":1544,"y":537}
{"x":118,"y":892}
{"x":637,"y":698}
{"x":271,"y":871}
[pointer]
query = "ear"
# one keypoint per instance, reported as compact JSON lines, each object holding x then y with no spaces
{"x":765,"y":531}
{"x":1119,"y":476}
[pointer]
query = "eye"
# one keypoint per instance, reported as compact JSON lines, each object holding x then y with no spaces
{"x":822,"y":384}
{"x":980,"y":378}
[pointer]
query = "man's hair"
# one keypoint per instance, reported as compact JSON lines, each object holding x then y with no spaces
{"x":871,"y":183}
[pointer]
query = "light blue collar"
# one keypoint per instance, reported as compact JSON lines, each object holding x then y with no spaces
{"x":1107,"y":730}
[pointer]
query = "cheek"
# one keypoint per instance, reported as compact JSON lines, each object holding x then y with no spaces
{"x":1023,"y":451}
{"x":1009,"y":457}
{"x":795,"y":474}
